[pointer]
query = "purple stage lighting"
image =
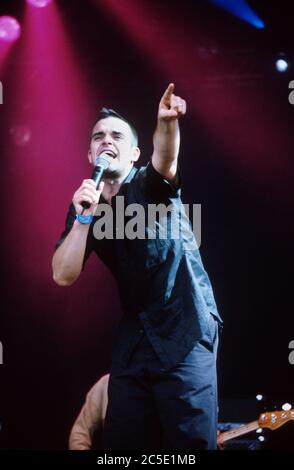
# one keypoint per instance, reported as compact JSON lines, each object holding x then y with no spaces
{"x":9,"y":29}
{"x":39,"y":3}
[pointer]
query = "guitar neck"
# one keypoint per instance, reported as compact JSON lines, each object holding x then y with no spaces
{"x":271,"y":420}
{"x":225,"y":436}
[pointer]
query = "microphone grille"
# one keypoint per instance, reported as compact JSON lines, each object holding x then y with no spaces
{"x":103,"y":160}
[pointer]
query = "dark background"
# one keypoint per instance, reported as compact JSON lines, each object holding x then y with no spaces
{"x":236,"y":160}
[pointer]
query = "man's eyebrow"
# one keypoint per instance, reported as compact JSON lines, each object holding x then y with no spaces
{"x":118,"y":133}
{"x":100,"y":133}
{"x":97,"y":134}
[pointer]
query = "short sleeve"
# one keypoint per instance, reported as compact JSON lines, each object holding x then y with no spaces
{"x":158,"y":188}
{"x":69,"y":221}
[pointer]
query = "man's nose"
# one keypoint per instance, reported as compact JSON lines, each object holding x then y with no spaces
{"x":107,"y":139}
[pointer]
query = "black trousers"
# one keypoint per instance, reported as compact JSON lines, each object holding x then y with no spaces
{"x":151,"y":407}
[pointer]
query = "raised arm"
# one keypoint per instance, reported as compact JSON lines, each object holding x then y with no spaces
{"x":166,"y":139}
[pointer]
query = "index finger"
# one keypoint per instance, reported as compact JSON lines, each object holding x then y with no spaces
{"x":168,"y":92}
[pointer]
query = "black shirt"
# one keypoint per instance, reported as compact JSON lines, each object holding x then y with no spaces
{"x":163,"y":286}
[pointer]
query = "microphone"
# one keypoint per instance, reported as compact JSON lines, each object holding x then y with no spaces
{"x":101,"y":164}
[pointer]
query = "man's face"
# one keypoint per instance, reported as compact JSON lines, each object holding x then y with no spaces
{"x":114,"y":137}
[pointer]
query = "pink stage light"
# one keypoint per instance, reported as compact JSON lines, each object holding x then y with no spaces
{"x":39,"y":3}
{"x":49,"y":114}
{"x":9,"y":29}
{"x":20,"y":134}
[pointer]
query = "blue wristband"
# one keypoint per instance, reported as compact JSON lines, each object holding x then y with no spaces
{"x":84,"y":219}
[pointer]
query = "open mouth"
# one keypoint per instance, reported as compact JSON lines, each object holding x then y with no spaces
{"x":110,"y":153}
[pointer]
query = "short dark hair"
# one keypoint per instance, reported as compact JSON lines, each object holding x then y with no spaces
{"x":107,"y":112}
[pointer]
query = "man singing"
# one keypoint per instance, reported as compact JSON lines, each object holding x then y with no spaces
{"x":162,"y":388}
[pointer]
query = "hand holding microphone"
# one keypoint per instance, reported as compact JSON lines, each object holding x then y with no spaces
{"x":87,"y":196}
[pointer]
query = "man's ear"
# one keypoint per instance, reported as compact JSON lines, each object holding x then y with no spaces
{"x":135,"y":154}
{"x":90,"y":157}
